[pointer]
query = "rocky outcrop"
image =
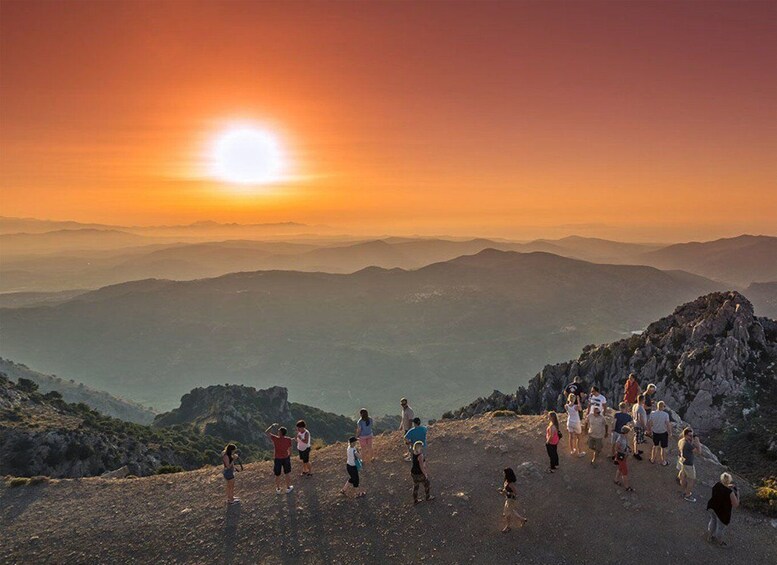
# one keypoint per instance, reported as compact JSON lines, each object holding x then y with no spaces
{"x":242,"y":413}
{"x":43,"y":435}
{"x":701,"y":358}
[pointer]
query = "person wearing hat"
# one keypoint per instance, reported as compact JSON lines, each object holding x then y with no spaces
{"x":597,"y":431}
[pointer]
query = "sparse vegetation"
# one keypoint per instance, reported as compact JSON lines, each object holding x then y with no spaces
{"x":503,"y":414}
{"x":168,"y":469}
{"x":18,"y":481}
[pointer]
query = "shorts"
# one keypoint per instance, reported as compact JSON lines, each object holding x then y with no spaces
{"x":365,"y":441}
{"x":689,"y":471}
{"x":595,"y":443}
{"x":574,"y":428}
{"x":284,"y":463}
{"x":639,"y":433}
{"x":353,"y":475}
{"x":510,"y":507}
{"x":661,"y":439}
{"x":623,"y":467}
{"x":229,"y":474}
{"x":614,"y":437}
{"x":304,"y":455}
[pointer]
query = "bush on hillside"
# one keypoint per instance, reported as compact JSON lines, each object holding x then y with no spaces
{"x":18,"y":482}
{"x":168,"y":469}
{"x":503,"y":414}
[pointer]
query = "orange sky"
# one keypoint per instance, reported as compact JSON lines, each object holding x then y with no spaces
{"x":631,"y":120}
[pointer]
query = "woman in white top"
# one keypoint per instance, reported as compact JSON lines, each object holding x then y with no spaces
{"x":574,"y":425}
{"x":353,"y":464}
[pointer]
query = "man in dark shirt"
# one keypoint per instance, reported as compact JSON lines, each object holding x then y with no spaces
{"x":577,"y":388}
{"x":649,"y":392}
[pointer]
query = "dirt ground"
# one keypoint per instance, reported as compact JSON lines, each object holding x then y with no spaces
{"x":576,"y":515}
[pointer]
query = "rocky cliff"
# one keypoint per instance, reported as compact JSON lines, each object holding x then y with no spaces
{"x":43,"y":435}
{"x":707,"y":354}
{"x":242,"y":413}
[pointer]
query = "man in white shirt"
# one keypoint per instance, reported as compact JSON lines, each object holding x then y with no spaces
{"x":406,"y":422}
{"x":597,"y":400}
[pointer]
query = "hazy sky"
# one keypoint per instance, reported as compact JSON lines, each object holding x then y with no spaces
{"x":636,"y":120}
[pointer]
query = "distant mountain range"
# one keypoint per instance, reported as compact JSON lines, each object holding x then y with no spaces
{"x":117,"y":257}
{"x":438,"y":334}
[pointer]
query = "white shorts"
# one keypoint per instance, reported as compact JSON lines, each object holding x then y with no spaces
{"x":574,"y":428}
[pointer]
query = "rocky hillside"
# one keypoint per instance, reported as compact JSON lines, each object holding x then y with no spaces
{"x":713,"y":363}
{"x":242,"y":413}
{"x":41,"y":434}
{"x":75,"y":393}
{"x":575,"y":516}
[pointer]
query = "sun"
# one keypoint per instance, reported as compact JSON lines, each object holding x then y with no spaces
{"x":247,"y":155}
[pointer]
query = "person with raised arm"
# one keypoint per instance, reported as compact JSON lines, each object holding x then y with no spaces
{"x":281,"y":457}
{"x":574,"y":425}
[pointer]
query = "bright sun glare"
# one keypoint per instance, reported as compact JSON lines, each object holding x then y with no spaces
{"x":247,"y":155}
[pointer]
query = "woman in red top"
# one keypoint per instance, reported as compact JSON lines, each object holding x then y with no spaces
{"x":631,"y":390}
{"x":552,"y":437}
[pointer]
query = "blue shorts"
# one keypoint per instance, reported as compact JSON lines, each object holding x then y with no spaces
{"x":229,"y":474}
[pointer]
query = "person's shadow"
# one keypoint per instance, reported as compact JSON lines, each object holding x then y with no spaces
{"x":231,"y":520}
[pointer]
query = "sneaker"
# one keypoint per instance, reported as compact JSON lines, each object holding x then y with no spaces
{"x":277,"y":491}
{"x":291,"y":488}
{"x":581,"y":454}
{"x":234,"y":501}
{"x":689,"y":498}
{"x":665,"y":463}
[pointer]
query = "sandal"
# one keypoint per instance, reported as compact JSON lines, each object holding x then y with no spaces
{"x":629,"y":489}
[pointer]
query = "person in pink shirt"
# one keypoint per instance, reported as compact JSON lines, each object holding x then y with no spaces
{"x":552,"y":437}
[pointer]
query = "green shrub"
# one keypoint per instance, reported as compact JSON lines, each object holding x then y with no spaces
{"x":503,"y":414}
{"x":168,"y":469}
{"x":18,"y":482}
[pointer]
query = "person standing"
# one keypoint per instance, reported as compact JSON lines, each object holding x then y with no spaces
{"x":639,"y":416}
{"x":304,"y":443}
{"x":597,"y":431}
{"x":660,"y":429}
{"x":352,"y":465}
{"x":415,"y":434}
{"x":552,"y":437}
{"x":725,"y":497}
{"x":621,"y":419}
{"x":574,"y":425}
{"x":281,"y":456}
{"x":621,"y":458}
{"x":509,"y":491}
{"x":228,"y":457}
{"x":597,"y":399}
{"x":649,"y":393}
{"x":688,"y":446}
{"x":365,"y":434}
{"x":405,"y":423}
{"x":419,"y":472}
{"x":577,"y":388}
{"x":631,"y":390}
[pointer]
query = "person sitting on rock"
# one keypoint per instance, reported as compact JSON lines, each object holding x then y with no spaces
{"x":352,"y":466}
{"x":597,"y":431}
{"x":228,"y":458}
{"x":574,"y":425}
{"x":631,"y":390}
{"x":622,"y":459}
{"x":419,"y":472}
{"x":509,"y":491}
{"x":660,"y":429}
{"x":639,"y":417}
{"x":688,"y":446}
{"x":281,"y":456}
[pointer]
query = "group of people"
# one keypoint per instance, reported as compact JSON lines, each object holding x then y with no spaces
{"x":637,"y":415}
{"x":359,"y":449}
